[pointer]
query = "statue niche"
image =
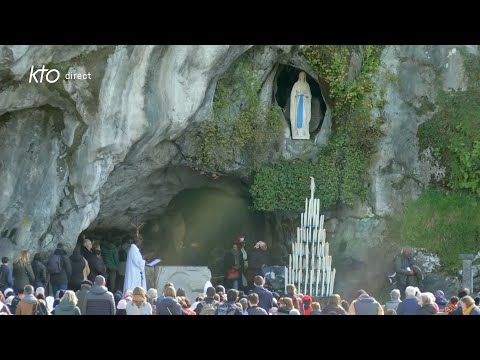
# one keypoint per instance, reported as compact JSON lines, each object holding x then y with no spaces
{"x":300,"y":108}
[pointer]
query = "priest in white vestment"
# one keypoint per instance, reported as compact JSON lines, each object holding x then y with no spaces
{"x":135,"y":268}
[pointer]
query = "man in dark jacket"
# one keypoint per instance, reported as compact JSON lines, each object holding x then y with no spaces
{"x":82,"y":293}
{"x":265,"y":297}
{"x":111,"y":260}
{"x":254,"y":309}
{"x":95,"y":262}
{"x":60,"y":269}
{"x":258,"y":258}
{"x":365,"y":304}
{"x":99,"y":301}
{"x":409,"y":306}
{"x":406,"y":270}
{"x":229,"y":308}
{"x":6,"y":277}
{"x":209,"y":300}
{"x":40,"y":272}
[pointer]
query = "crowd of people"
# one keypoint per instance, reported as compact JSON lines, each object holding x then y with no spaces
{"x":96,"y":299}
{"x":110,"y":280}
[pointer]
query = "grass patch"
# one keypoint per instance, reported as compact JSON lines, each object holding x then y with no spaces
{"x":445,"y":224}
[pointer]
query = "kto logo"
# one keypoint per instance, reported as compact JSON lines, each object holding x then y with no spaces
{"x":50,"y":75}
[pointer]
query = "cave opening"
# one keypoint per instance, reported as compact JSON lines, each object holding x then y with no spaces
{"x":199,"y":225}
{"x":285,"y":79}
{"x":196,"y":229}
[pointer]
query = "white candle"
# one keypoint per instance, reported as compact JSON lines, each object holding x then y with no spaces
{"x":332,"y":282}
{"x":306,"y":283}
{"x":306,"y":268}
{"x":311,"y":282}
{"x":327,"y":282}
{"x":287,"y":274}
{"x":289,"y":268}
{"x":300,"y":271}
{"x":318,"y":212}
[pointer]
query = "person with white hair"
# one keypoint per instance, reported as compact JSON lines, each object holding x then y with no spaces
{"x":426,"y":303}
{"x":409,"y":306}
{"x":39,"y":290}
{"x":394,"y":300}
{"x":152,"y":295}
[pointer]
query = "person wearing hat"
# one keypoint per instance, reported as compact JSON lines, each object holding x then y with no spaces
{"x":440,"y":300}
{"x":122,"y":307}
{"x":85,"y":287}
{"x":307,"y":304}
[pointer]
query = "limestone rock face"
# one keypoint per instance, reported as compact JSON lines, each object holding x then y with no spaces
{"x":80,"y":153}
{"x":409,"y":78}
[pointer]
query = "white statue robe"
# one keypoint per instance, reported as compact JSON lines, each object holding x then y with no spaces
{"x":300,"y":108}
{"x":134,"y":270}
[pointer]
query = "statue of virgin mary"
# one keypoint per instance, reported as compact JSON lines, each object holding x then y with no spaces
{"x":300,"y":108}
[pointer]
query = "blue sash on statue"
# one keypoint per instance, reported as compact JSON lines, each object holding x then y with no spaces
{"x":300,"y":112}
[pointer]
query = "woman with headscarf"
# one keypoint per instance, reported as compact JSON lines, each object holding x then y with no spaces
{"x":139,"y":304}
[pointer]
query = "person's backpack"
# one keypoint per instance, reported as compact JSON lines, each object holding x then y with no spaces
{"x":226,"y":309}
{"x":208,"y":309}
{"x":3,"y":275}
{"x":15,"y":302}
{"x":54,"y":265}
{"x":39,"y":309}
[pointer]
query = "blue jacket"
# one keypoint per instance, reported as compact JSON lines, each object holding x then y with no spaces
{"x":169,"y":306}
{"x":409,"y":306}
{"x":265,"y":298}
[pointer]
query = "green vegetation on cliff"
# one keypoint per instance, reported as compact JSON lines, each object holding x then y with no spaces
{"x":244,"y":135}
{"x":340,"y":167}
{"x":445,"y":224}
{"x":453,"y":133}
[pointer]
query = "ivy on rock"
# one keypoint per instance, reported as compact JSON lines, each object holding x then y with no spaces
{"x":340,"y":167}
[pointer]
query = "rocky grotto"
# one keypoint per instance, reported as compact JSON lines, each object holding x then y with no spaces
{"x":123,"y":146}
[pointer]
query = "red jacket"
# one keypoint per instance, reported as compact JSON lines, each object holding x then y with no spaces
{"x":189,"y":311}
{"x":308,"y":311}
{"x":298,"y":304}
